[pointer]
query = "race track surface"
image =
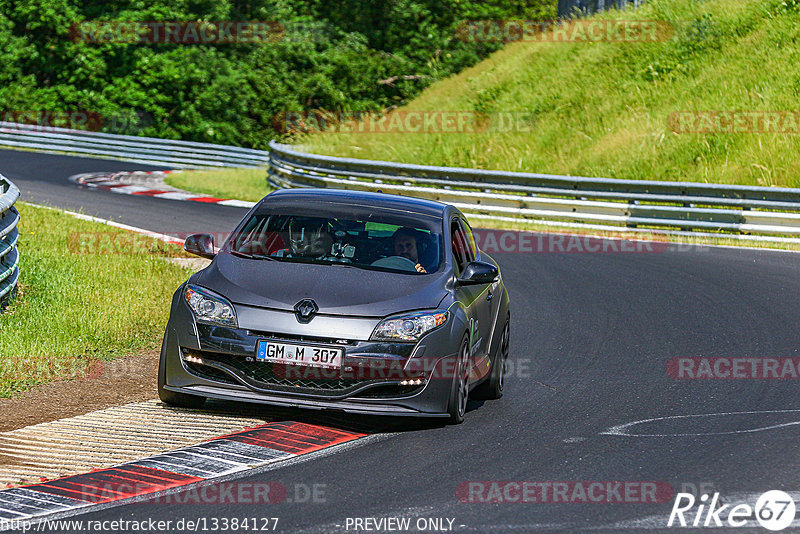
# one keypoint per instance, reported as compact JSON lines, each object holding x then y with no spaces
{"x":592,"y":334}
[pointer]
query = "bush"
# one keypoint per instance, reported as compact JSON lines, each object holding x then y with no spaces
{"x":332,"y":57}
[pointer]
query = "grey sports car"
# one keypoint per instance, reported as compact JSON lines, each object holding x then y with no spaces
{"x":340,"y":300}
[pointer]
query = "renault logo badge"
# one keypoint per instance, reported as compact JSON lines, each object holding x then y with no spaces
{"x":305,"y":310}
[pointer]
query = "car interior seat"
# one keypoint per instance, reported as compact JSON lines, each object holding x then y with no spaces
{"x":427,"y":251}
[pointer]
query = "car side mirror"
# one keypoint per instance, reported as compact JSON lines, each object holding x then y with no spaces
{"x":201,"y":245}
{"x":478,"y":272}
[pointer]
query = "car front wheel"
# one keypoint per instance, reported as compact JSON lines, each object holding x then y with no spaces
{"x":459,"y":391}
{"x":492,"y":388}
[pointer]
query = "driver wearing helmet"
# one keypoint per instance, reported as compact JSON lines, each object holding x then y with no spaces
{"x":308,"y":238}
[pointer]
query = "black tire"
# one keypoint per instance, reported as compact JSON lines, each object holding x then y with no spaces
{"x":492,"y":387}
{"x":459,"y":391}
{"x":172,"y":398}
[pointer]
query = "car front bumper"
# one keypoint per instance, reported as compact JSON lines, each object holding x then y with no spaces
{"x":375,"y":378}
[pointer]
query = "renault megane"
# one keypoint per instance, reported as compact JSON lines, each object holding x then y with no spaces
{"x":341,"y":300}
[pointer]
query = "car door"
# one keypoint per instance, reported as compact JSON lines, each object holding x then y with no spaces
{"x":487,"y":305}
{"x":468,"y":295}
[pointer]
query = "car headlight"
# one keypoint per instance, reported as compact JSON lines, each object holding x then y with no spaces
{"x":210,"y":307}
{"x":409,"y":327}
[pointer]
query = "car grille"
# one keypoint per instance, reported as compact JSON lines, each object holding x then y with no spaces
{"x":302,"y":339}
{"x":274,"y":376}
{"x":210,"y":373}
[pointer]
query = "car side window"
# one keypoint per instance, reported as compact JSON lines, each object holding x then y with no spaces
{"x":459,"y":245}
{"x":472,"y":247}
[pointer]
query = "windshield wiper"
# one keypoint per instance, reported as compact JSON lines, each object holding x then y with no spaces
{"x":242,"y":254}
{"x":252,"y":256}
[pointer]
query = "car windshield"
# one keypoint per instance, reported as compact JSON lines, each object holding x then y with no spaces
{"x":388,"y":243}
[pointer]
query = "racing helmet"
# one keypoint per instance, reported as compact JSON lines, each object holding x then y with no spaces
{"x":310,"y":237}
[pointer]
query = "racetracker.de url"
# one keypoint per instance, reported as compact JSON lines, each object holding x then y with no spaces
{"x":200,"y":524}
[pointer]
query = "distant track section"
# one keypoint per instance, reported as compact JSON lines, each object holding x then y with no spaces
{"x":153,"y":151}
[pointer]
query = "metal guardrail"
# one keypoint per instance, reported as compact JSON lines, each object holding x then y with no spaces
{"x":178,"y":154}
{"x":9,"y":234}
{"x":741,"y":212}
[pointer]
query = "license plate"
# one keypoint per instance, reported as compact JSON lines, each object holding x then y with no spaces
{"x":293,"y":354}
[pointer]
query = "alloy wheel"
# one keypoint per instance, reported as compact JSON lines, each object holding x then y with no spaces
{"x":504,"y":347}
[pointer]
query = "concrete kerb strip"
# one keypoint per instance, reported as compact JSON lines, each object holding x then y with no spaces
{"x":244,"y":444}
{"x":148,"y":183}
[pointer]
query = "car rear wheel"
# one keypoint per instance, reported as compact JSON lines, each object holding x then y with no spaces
{"x":459,"y":392}
{"x":492,"y":388}
{"x":172,"y":398}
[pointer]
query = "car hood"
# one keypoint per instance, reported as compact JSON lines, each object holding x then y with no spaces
{"x":336,"y":289}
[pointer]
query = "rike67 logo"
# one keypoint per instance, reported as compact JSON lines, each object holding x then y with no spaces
{"x":774,"y":510}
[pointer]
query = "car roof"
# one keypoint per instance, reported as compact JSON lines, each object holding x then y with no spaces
{"x":303,"y":197}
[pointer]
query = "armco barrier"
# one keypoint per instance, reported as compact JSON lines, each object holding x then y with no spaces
{"x":731,"y":211}
{"x":9,"y":234}
{"x":177,"y":154}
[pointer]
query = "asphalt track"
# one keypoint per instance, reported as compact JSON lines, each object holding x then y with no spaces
{"x":591,"y":338}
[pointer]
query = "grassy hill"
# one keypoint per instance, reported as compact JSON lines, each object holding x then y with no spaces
{"x":611,"y":109}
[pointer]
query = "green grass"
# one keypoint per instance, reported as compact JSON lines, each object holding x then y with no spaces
{"x":80,"y":299}
{"x":602,"y":109}
{"x":240,"y":184}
